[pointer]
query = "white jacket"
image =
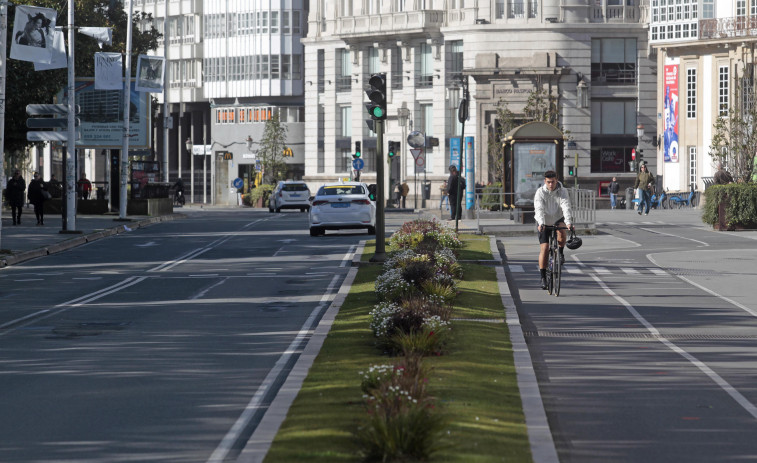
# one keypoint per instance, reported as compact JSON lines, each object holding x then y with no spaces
{"x":549,"y":206}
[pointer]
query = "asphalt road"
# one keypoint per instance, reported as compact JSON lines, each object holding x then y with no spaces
{"x":164,"y":344}
{"x":649,"y":354}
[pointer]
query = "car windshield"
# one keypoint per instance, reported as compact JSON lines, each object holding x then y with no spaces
{"x":294,"y":187}
{"x":336,"y":190}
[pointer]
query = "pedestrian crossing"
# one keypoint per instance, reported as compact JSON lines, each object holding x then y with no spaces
{"x":597,"y":270}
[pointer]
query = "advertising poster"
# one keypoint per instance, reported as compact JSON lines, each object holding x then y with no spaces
{"x":531,"y":160}
{"x":33,"y":34}
{"x":150,"y":71}
{"x":670,"y":113}
{"x":102,"y":113}
{"x":454,"y":153}
{"x":470,"y":180}
{"x":108,"y":71}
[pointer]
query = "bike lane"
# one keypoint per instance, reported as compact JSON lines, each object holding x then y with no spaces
{"x":636,"y":363}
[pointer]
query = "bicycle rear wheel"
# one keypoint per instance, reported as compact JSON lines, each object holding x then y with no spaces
{"x":550,"y":266}
{"x":556,"y":273}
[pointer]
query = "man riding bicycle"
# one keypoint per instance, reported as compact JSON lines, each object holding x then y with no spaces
{"x":551,"y":207}
{"x":179,"y":186}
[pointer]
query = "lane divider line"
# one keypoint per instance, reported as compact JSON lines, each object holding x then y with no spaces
{"x":709,"y":372}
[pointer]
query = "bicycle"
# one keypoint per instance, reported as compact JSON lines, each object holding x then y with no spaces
{"x":554,"y":266}
{"x":179,"y":199}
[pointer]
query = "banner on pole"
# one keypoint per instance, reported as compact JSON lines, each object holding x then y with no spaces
{"x":103,"y":35}
{"x":60,"y":59}
{"x":108,"y":71}
{"x":33,"y":34}
{"x":150,"y":71}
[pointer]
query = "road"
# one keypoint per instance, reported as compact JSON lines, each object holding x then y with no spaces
{"x":162,"y":344}
{"x":650,"y":353}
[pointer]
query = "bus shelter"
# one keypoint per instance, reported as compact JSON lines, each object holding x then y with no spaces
{"x":530,"y":150}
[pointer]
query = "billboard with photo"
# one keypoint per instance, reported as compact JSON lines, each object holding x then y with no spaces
{"x":670,"y":115}
{"x":101,"y":116}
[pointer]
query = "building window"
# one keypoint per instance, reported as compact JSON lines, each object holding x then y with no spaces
{"x":613,"y":117}
{"x":613,"y":61}
{"x":344,"y":70}
{"x":533,"y":8}
{"x":693,"y":166}
{"x":454,"y":61}
{"x":296,"y":22}
{"x":346,"y":123}
{"x":274,"y":22}
{"x":426,"y":76}
{"x":399,"y":5}
{"x":517,"y":9}
{"x":285,"y":23}
{"x":691,"y":93}
{"x":708,"y":9}
{"x":397,"y":68}
{"x":373,"y":60}
{"x":740,"y":7}
{"x":723,"y":96}
{"x":344,"y":160}
{"x":499,"y":6}
{"x":275,"y":70}
{"x":321,"y":70}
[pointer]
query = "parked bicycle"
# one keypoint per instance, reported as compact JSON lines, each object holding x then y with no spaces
{"x":679,"y":200}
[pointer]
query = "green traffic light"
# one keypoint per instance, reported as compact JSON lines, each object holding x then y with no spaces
{"x":357,"y":155}
{"x":377,"y":112}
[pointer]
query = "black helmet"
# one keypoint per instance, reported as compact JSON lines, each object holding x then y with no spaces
{"x":574,"y":242}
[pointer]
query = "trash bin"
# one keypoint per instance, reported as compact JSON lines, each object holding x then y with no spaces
{"x":426,"y":191}
{"x":629,"y":198}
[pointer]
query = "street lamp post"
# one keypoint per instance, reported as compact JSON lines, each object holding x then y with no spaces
{"x":188,"y":145}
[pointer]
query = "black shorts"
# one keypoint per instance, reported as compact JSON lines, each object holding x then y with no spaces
{"x":544,"y":235}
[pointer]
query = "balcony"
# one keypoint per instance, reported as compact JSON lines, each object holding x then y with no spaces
{"x":381,"y":24}
{"x":614,"y":14}
{"x":721,"y":28}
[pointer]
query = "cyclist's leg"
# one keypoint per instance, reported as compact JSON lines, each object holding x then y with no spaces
{"x":543,"y":256}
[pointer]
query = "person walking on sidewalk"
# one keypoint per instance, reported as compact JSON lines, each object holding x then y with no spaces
{"x":452,"y":191}
{"x":15,"y":193}
{"x":85,"y":187}
{"x":404,"y":190}
{"x":445,"y":198}
{"x":644,"y":182}
{"x":37,"y":191}
{"x":614,"y":187}
{"x":551,"y":207}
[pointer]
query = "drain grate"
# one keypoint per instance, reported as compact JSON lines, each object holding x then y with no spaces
{"x":637,"y":335}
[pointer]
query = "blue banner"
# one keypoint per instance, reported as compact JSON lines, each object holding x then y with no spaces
{"x":470,"y":178}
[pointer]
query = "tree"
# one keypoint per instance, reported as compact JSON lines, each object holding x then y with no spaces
{"x":541,"y":106}
{"x":734,"y":142}
{"x":271,"y":152}
{"x":25,"y":86}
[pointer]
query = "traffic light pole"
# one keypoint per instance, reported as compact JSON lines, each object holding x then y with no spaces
{"x":380,"y":254}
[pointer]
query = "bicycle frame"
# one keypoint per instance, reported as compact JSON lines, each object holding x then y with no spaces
{"x":554,"y":267}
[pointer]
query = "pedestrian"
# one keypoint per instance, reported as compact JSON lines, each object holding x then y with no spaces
{"x":85,"y":187}
{"x":644,"y":182}
{"x":445,"y":198}
{"x":455,"y":200}
{"x":397,"y":194}
{"x":54,"y":187}
{"x":613,"y":188}
{"x":37,"y":195}
{"x":15,"y":193}
{"x":404,"y":190}
{"x":722,"y":176}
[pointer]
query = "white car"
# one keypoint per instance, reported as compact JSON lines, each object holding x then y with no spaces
{"x":342,"y":206}
{"x":289,"y":195}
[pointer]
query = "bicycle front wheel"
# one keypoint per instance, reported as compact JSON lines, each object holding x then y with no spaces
{"x":556,"y":274}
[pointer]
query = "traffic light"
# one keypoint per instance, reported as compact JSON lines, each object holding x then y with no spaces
{"x":357,"y":153}
{"x":372,"y":191}
{"x":393,"y":148}
{"x":377,"y":94}
{"x":640,"y":156}
{"x":571,"y":171}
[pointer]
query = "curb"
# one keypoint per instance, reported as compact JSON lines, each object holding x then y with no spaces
{"x":80,"y":240}
{"x":539,"y":435}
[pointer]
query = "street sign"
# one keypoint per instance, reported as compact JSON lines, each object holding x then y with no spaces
{"x":50,"y":123}
{"x":202,"y":150}
{"x":416,"y":152}
{"x":49,"y":135}
{"x":238,"y":183}
{"x":416,"y":139}
{"x":358,"y":164}
{"x":50,"y":109}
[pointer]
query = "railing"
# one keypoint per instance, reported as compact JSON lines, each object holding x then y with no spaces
{"x":615,"y":14}
{"x":741,"y":26}
{"x":498,"y":205}
{"x":390,"y":22}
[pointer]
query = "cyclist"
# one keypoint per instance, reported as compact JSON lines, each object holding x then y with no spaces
{"x":551,"y":207}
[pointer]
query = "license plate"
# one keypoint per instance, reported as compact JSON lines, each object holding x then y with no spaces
{"x":294,"y":196}
{"x":340,"y":204}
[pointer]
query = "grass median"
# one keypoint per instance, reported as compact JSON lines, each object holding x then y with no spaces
{"x":474,"y":381}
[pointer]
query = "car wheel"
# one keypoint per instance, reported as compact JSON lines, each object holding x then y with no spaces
{"x":316,"y":231}
{"x":302,"y":209}
{"x":371,"y":230}
{"x":278,"y":210}
{"x":270,"y":208}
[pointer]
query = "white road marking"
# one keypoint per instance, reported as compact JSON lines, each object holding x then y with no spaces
{"x":516,"y":268}
{"x":601,"y":270}
{"x":574,"y":270}
{"x":675,"y":236}
{"x":631,"y":271}
{"x":717,"y":379}
{"x":658,"y":271}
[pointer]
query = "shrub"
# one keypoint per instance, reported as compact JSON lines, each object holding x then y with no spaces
{"x":428,"y":235}
{"x":391,"y":286}
{"x":391,"y":321}
{"x":402,"y":421}
{"x":741,"y":204}
{"x":255,"y":194}
{"x":491,"y":197}
{"x":430,"y":339}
